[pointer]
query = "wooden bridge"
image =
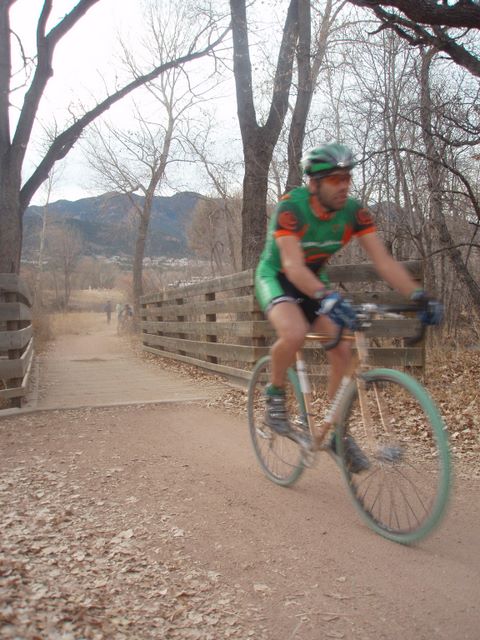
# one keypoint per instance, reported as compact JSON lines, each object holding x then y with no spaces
{"x":216,"y":325}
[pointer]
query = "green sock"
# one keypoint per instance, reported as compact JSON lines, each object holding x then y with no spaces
{"x":272,"y":390}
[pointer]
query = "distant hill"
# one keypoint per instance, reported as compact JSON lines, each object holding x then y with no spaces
{"x":108,"y":224}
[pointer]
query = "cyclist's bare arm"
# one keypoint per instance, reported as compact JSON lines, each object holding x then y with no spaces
{"x":387,"y":267}
{"x":293,"y":264}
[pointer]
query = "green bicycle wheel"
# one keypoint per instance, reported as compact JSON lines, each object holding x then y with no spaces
{"x":280,"y":457}
{"x":404,"y":492}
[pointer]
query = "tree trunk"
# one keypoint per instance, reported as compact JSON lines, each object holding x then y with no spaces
{"x":308,"y":70}
{"x":254,"y":208}
{"x":140,"y":242}
{"x":11,"y":229}
{"x":304,"y":96}
{"x":259,"y":141}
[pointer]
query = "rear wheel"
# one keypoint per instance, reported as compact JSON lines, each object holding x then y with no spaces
{"x":403,"y":493}
{"x":280,"y":457}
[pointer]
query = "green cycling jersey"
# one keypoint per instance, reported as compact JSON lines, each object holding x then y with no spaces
{"x":320,"y":234}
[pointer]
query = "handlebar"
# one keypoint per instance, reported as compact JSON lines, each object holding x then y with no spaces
{"x":366,"y":311}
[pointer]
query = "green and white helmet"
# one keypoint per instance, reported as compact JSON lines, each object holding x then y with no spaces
{"x":326,"y":158}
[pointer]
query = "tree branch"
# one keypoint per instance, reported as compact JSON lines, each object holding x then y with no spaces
{"x":464,"y":13}
{"x":417,"y":34}
{"x":43,"y":72}
{"x":65,"y":141}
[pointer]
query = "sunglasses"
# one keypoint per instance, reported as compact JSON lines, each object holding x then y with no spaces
{"x":337,"y":179}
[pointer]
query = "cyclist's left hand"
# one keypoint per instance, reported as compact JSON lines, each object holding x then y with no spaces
{"x":430,"y":311}
{"x":338,"y":310}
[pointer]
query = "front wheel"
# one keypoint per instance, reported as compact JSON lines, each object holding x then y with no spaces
{"x":280,"y":457}
{"x":390,"y":416}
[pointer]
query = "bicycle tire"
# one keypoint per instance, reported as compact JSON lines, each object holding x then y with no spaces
{"x":409,"y":457}
{"x":280,"y":458}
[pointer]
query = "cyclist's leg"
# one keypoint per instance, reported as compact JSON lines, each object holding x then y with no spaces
{"x":339,"y":359}
{"x":291,"y":326}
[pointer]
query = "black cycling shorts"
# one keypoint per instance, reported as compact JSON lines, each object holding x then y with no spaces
{"x":308,"y":305}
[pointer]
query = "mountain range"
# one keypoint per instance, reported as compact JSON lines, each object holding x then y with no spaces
{"x":107,"y":224}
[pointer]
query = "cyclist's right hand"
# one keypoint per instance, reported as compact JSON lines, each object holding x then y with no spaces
{"x":430,"y":311}
{"x":337,"y":309}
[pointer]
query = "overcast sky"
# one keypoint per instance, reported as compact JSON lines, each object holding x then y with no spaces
{"x":86,"y":55}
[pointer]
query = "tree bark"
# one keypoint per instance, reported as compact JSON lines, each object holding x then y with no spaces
{"x":462,"y":14}
{"x":139,"y":254}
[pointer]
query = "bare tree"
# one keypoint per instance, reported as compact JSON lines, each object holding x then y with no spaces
{"x":215,"y":233}
{"x":436,"y":170}
{"x":96,"y":273}
{"x":15,"y":192}
{"x":217,"y":220}
{"x":64,"y":249}
{"x":259,"y":140}
{"x":136,"y":160}
{"x":311,"y":52}
{"x":37,"y":293}
{"x":308,"y":50}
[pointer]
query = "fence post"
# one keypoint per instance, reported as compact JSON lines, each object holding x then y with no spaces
{"x":211,"y":317}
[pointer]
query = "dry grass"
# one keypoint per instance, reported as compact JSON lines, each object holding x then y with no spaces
{"x":95,"y":299}
{"x":74,"y":323}
{"x":48,"y":326}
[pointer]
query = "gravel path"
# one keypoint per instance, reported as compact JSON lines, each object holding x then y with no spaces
{"x":154,"y":521}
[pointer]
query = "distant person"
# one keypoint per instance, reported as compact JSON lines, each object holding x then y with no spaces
{"x":118,"y":310}
{"x":108,"y":311}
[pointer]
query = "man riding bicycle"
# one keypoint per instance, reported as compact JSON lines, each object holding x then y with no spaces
{"x":309,"y":225}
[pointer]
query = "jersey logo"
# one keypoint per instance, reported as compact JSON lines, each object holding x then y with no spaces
{"x":364,"y":217}
{"x":287,"y":220}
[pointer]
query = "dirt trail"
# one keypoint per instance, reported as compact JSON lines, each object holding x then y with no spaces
{"x":156,"y":522}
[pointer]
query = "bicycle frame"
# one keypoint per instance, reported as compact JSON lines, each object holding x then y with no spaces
{"x":360,"y":362}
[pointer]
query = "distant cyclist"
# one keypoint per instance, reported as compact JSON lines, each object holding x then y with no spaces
{"x":310,"y":224}
{"x":125,"y":318}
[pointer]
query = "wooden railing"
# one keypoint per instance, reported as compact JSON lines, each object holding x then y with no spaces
{"x":16,"y":339}
{"x":218,"y":325}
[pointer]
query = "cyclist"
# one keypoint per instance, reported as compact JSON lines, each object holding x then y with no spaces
{"x":125,"y":317}
{"x":309,"y":225}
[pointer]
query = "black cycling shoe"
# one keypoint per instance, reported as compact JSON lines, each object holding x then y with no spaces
{"x":276,"y":415}
{"x":356,"y":460}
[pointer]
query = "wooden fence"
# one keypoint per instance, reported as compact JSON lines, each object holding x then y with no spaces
{"x":16,"y":339}
{"x":218,"y":325}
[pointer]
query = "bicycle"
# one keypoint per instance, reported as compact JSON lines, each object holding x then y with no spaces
{"x":404,"y":492}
